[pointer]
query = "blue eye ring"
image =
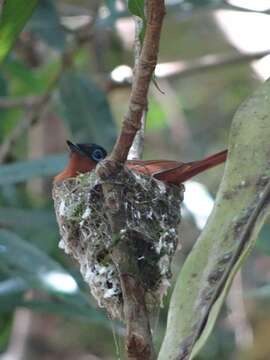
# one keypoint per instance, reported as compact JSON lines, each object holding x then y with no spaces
{"x":97,"y":155}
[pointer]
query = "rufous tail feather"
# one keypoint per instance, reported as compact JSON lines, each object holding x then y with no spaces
{"x":186,"y":171}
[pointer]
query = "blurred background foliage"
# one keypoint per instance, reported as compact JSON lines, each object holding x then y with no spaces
{"x":68,"y":76}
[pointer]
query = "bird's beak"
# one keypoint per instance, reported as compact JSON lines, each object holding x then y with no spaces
{"x":73,"y":147}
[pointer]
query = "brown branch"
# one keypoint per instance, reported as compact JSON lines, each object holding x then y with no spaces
{"x":137,"y":102}
{"x":139,"y":343}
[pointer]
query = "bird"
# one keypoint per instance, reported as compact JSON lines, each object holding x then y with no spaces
{"x":85,"y":157}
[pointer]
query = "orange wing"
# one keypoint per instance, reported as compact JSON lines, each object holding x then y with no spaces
{"x":175,"y":172}
{"x":152,"y":167}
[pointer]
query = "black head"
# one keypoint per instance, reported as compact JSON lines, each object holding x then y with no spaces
{"x":94,"y":152}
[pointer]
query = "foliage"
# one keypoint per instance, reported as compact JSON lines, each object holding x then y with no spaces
{"x":14,"y":16}
{"x":75,"y":92}
{"x":136,"y":7}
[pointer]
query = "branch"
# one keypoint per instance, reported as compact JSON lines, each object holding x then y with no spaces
{"x":137,"y":102}
{"x":138,"y":337}
{"x":139,"y":344}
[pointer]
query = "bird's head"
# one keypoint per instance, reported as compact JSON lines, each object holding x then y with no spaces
{"x":83,"y":158}
{"x":91,"y":152}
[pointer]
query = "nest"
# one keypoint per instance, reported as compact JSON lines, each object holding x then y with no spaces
{"x":152,"y":210}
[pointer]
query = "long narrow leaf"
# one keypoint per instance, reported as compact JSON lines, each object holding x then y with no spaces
{"x":240,"y":210}
{"x":26,"y":170}
{"x":86,"y":110}
{"x":14,"y":16}
{"x":37,"y":269}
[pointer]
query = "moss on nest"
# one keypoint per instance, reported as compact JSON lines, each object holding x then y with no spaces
{"x":152,"y":212}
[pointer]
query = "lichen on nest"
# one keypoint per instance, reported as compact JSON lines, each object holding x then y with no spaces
{"x":152,"y":211}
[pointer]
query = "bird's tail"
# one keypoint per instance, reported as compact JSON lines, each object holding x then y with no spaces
{"x":186,"y":171}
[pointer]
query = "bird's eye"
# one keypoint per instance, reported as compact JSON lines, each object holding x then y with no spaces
{"x":97,"y":155}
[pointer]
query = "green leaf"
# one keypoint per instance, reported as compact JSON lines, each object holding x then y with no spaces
{"x":11,"y":296}
{"x":86,"y":110}
{"x":156,"y":117}
{"x":262,"y":244}
{"x":14,"y":16}
{"x":136,"y":7}
{"x":33,"y":269}
{"x":37,"y":269}
{"x":262,"y":292}
{"x":193,"y":5}
{"x":6,"y":329}
{"x":26,"y":219}
{"x":26,"y":170}
{"x":111,"y":6}
{"x":229,"y":235}
{"x":82,"y":313}
{"x":12,"y":287}
{"x":3,"y":92}
{"x":22,"y":79}
{"x":28,"y":222}
{"x":45,"y":24}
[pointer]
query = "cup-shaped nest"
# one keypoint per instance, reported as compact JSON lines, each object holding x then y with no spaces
{"x":151,"y":210}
